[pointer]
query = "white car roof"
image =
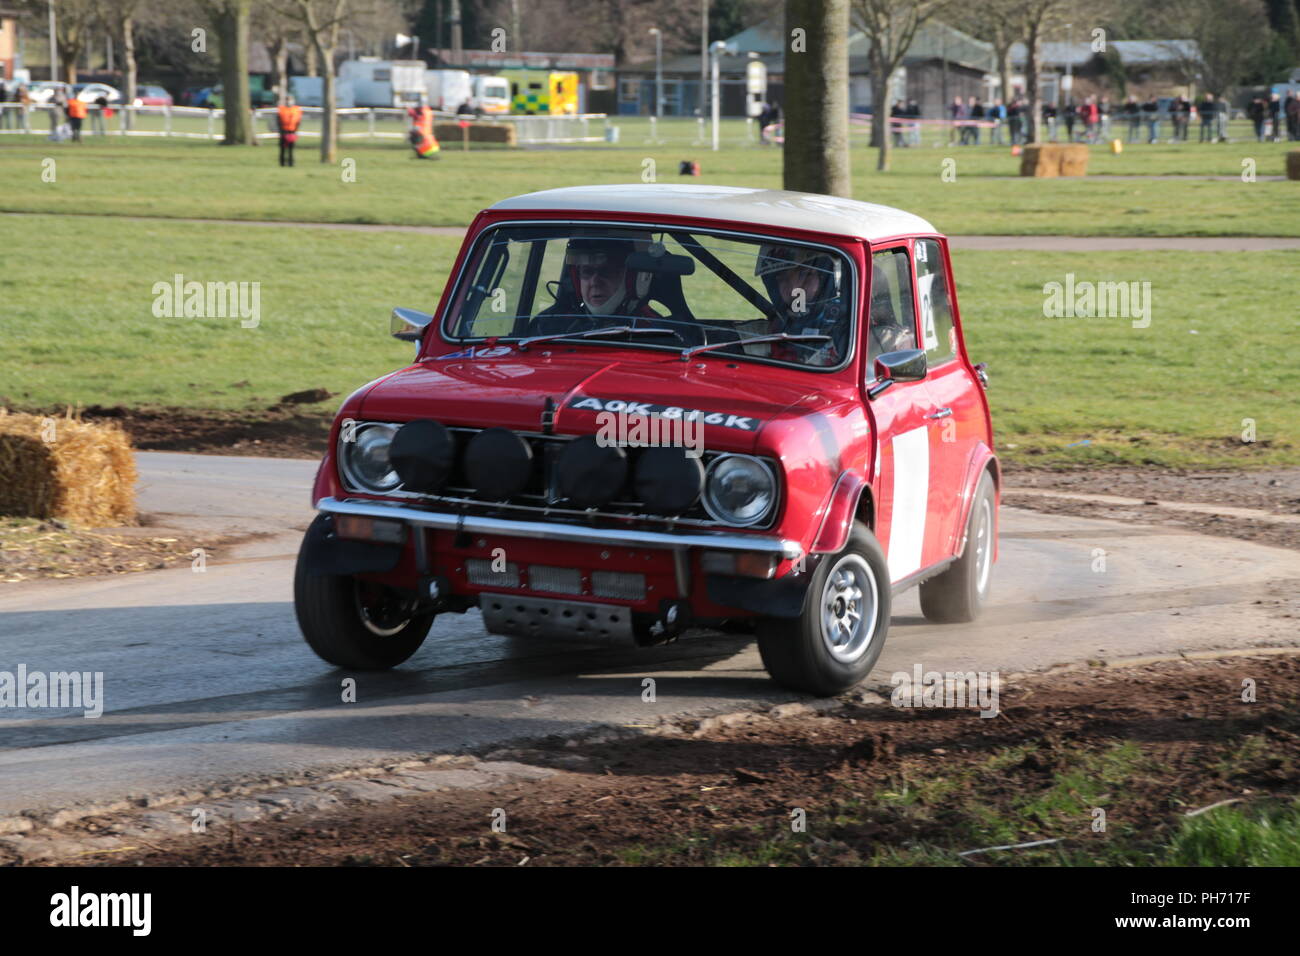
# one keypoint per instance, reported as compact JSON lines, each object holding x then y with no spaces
{"x":768,"y":207}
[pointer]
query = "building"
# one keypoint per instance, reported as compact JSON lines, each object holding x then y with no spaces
{"x":9,"y":55}
{"x":942,"y":62}
{"x":1138,"y":68}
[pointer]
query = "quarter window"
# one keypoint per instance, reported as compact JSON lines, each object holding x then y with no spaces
{"x":891,"y":317}
{"x":938,"y":335}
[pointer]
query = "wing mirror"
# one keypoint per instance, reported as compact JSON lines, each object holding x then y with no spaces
{"x":905,"y":365}
{"x":409,"y":324}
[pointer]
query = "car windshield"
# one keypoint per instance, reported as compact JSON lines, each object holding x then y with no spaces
{"x":700,"y":288}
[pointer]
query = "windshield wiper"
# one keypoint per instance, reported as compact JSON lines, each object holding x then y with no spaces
{"x":594,"y":333}
{"x":775,"y":337}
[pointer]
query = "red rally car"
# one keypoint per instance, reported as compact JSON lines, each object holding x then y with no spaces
{"x":644,"y":408}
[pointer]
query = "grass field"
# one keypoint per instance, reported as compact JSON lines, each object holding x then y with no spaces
{"x":183,"y":178}
{"x":1218,"y":351}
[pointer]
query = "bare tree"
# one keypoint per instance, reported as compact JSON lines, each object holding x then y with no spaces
{"x":230,"y":19}
{"x":890,"y":27}
{"x":73,"y":22}
{"x":321,"y":20}
{"x":1229,"y":36}
{"x":816,"y":151}
{"x":995,"y":22}
{"x":119,"y":20}
{"x":1036,"y":20}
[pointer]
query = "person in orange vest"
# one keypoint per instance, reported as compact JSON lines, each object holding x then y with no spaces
{"x":290,"y":116}
{"x":422,"y":138}
{"x":76,"y":113}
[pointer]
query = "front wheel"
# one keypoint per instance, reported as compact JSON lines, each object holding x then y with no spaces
{"x":841,"y":630}
{"x":959,"y":594}
{"x":357,"y":624}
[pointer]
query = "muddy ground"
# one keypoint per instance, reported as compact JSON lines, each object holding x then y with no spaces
{"x":872,"y":783}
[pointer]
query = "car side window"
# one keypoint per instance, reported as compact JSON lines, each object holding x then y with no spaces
{"x":938,"y":335}
{"x":891,"y":323}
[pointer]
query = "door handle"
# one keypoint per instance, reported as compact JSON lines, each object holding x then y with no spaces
{"x":941,"y":413}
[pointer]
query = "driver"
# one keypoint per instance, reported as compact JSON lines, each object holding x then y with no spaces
{"x":804,"y":285}
{"x":595,"y":269}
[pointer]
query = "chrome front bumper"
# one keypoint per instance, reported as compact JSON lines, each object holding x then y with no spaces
{"x":558,"y":531}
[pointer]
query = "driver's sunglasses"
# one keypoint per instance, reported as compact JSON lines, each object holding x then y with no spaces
{"x":608,"y":271}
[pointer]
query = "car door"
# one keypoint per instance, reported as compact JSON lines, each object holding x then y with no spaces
{"x":957,"y":418}
{"x":903,"y":471}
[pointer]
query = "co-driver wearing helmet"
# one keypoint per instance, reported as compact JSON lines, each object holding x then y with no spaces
{"x":804,"y":285}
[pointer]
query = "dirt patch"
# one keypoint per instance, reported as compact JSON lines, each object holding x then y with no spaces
{"x":1276,"y":491}
{"x":32,"y":549}
{"x":283,"y":431}
{"x":871,"y":782}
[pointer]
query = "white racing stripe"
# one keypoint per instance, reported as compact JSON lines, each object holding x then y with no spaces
{"x":911,"y":501}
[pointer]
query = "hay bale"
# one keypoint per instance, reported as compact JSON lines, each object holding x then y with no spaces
{"x":1054,"y":159}
{"x":450,"y":134}
{"x":1041,"y":159}
{"x":1074,"y":160}
{"x":1293,"y":164}
{"x":65,"y":468}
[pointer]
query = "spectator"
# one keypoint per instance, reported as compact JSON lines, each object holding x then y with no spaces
{"x":465,"y":109}
{"x":1015,"y":120}
{"x":1151,"y":114}
{"x":1183,"y":118}
{"x":290,"y":118}
{"x":1257,"y":113}
{"x":1049,"y":119}
{"x":1069,"y":114}
{"x":76,"y":109}
{"x":1207,"y":109}
{"x":914,"y":129}
{"x":1292,"y":110}
{"x":1106,"y":110}
{"x":1133,"y":113}
{"x":97,"y":115}
{"x":977,"y":117}
{"x":957,"y":112}
{"x":1090,"y":115}
{"x":896,"y":113}
{"x":998,"y":114}
{"x":1221,"y":116}
{"x":4,"y":109}
{"x":1274,"y":105}
{"x":25,"y":107}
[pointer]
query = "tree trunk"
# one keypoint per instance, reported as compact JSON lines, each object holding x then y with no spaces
{"x":128,"y":61}
{"x":816,"y":151}
{"x":1002,"y":51}
{"x":880,"y":127}
{"x":312,"y":69}
{"x":1033,"y":53}
{"x":329,"y":117}
{"x":282,"y":68}
{"x":232,"y":40}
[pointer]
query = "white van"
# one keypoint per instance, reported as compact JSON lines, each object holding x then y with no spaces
{"x":447,"y":89}
{"x":491,"y":94}
{"x":376,"y":82}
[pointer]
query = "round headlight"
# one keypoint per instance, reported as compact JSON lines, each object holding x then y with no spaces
{"x":366,"y":460}
{"x":739,"y":490}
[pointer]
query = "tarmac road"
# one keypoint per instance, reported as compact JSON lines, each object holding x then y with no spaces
{"x":207,"y":681}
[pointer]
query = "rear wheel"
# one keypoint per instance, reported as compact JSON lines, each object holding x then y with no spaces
{"x":357,"y":624}
{"x":841,"y":631}
{"x":959,"y":594}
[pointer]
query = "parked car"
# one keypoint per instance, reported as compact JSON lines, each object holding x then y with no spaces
{"x":89,"y":92}
{"x":152,"y":96}
{"x":43,"y":91}
{"x":641,"y":408}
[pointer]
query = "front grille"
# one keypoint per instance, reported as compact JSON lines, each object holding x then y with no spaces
{"x":620,"y":585}
{"x":541,"y":495}
{"x":480,"y":571}
{"x":543,"y":577}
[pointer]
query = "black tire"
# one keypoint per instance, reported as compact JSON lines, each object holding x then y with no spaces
{"x":959,"y":594}
{"x":333,"y":620}
{"x":796,"y":652}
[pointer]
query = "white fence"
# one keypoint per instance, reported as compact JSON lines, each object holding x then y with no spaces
{"x":192,"y":122}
